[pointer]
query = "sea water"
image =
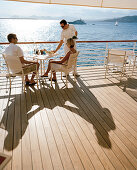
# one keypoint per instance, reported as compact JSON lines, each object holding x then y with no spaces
{"x":50,"y":30}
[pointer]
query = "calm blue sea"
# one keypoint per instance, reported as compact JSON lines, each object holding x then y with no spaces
{"x":49,"y":30}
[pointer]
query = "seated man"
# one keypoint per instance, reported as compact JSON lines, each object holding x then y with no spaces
{"x":64,"y":60}
{"x":16,"y":52}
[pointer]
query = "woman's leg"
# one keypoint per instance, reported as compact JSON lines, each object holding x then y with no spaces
{"x":26,"y":78}
{"x":48,"y":69}
{"x":34,"y":73}
{"x":54,"y":75}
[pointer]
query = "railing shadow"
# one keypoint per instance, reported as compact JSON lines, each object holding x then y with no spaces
{"x":19,"y":111}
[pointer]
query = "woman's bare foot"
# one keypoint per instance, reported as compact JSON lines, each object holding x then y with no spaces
{"x":32,"y":81}
{"x":53,"y":79}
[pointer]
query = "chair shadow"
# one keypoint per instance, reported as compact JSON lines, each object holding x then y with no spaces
{"x":16,"y":120}
{"x":130,"y":87}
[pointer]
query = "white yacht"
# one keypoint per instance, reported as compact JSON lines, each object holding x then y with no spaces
{"x":116,"y":23}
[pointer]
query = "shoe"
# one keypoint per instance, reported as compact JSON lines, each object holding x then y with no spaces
{"x":43,"y":76}
{"x":77,"y":75}
{"x":32,"y":84}
{"x":53,"y":79}
{"x":27,"y":83}
{"x":65,"y":75}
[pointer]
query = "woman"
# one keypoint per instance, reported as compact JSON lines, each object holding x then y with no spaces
{"x":64,"y":60}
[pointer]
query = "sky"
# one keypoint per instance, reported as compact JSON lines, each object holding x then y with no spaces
{"x":21,"y":9}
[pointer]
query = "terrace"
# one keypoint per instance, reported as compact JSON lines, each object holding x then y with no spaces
{"x":90,"y":125}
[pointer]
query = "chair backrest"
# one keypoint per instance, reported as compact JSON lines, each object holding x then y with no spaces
{"x":116,"y":56}
{"x":6,"y":63}
{"x":13,"y":64}
{"x":72,"y":61}
{"x":130,"y":54}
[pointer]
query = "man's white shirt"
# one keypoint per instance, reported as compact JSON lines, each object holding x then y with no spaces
{"x":66,"y":34}
{"x":13,"y":52}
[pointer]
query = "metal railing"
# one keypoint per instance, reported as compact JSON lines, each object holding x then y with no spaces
{"x":89,"y":56}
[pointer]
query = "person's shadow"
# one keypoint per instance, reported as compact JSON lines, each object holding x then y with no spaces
{"x":99,"y":117}
{"x":19,"y":111}
{"x":15,"y":118}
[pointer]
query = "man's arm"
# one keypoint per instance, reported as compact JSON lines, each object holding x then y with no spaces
{"x":23,"y":61}
{"x":58,"y":47}
{"x":21,"y":57}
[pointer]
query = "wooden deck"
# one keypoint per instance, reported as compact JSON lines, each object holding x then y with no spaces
{"x":90,"y":125}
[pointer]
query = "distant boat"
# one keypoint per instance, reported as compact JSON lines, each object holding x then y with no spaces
{"x":116,"y":23}
{"x":80,"y":21}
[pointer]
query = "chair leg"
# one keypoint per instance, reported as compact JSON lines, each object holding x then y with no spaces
{"x":122,"y":72}
{"x":106,"y":72}
{"x":24,"y":86}
{"x":23,"y":83}
{"x":133,"y":69}
{"x":74,"y":77}
{"x":51,"y":78}
{"x":61,"y":75}
{"x":66,"y":80}
{"x":6,"y":84}
{"x":37,"y":79}
{"x":10,"y":81}
{"x":41,"y":66}
{"x":121,"y":77}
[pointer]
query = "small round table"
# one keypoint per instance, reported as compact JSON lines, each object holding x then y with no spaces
{"x":42,"y":58}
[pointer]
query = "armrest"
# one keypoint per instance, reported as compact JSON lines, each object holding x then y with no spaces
{"x":28,"y":65}
{"x":60,"y":64}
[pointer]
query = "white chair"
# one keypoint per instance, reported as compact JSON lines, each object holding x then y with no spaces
{"x":116,"y":59}
{"x":11,"y":64}
{"x":134,"y":64}
{"x":130,"y":58}
{"x":66,"y":68}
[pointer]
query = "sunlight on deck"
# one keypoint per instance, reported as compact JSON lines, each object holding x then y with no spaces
{"x":90,"y":125}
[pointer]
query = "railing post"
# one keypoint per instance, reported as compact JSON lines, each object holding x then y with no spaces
{"x":106,"y":53}
{"x":106,"y":49}
{"x":35,"y":46}
{"x":134,"y":46}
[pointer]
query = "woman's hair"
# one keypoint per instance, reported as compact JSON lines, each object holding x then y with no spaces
{"x":71,"y":42}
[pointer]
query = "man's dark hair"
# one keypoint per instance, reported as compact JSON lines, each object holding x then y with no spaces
{"x":10,"y":36}
{"x":63,"y":22}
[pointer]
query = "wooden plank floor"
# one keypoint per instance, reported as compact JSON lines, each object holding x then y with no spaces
{"x":90,"y":125}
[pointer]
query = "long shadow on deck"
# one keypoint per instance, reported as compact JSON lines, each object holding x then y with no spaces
{"x":82,"y":102}
{"x":100,"y":118}
{"x":130,"y":87}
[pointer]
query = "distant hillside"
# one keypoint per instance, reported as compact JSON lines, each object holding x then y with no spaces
{"x":34,"y":17}
{"x":123,"y":19}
